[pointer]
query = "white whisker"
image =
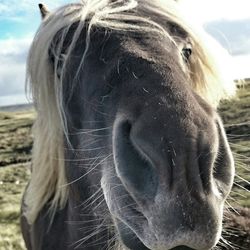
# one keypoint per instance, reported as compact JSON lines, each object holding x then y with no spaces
{"x":81,"y":177}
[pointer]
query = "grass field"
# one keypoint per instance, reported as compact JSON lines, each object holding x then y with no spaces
{"x":16,"y":144}
{"x":236,"y":117}
{"x":15,"y":149}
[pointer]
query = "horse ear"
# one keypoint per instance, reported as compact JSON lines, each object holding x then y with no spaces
{"x":44,"y":10}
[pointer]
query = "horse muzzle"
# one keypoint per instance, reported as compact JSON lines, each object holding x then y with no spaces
{"x":170,"y":183}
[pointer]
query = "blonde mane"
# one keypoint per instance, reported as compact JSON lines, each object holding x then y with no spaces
{"x":48,"y":181}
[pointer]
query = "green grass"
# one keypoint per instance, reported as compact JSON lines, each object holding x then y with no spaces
{"x":236,"y":111}
{"x":13,"y":180}
{"x":236,"y":117}
{"x":15,"y":137}
{"x":16,"y":144}
{"x":10,"y":237}
{"x":15,"y":149}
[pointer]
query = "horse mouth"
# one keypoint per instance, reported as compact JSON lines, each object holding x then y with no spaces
{"x":147,"y":236}
{"x":182,"y":248}
{"x":131,"y":240}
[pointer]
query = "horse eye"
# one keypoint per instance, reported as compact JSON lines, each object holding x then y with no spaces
{"x":186,"y":53}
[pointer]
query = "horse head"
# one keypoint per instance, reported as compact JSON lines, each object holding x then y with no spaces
{"x":129,"y":86}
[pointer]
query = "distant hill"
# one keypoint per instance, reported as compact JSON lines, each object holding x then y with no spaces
{"x":17,"y":108}
{"x":247,"y":80}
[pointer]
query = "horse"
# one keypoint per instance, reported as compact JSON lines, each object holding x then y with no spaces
{"x":129,"y":150}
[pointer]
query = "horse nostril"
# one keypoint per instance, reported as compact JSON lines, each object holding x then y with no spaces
{"x":135,"y":171}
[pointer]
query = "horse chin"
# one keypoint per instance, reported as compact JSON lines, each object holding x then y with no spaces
{"x":151,"y":237}
{"x":131,"y":241}
{"x":164,"y":224}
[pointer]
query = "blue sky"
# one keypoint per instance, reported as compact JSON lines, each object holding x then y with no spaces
{"x":227,"y":20}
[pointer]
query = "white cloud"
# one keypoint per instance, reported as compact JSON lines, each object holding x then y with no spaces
{"x":12,"y":60}
{"x":233,"y":35}
{"x":13,"y":46}
{"x":4,"y":8}
{"x":206,"y":11}
{"x":241,"y":66}
{"x":13,"y":100}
